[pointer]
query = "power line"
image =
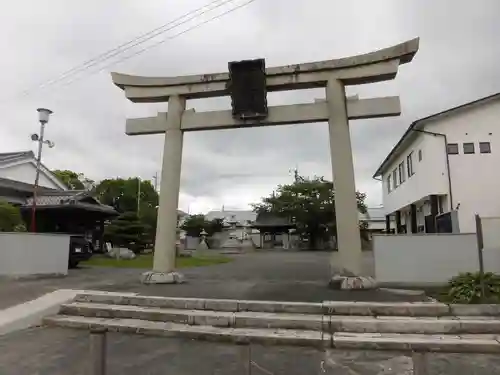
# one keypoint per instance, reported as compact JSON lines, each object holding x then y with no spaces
{"x":162,"y":41}
{"x":132,"y":43}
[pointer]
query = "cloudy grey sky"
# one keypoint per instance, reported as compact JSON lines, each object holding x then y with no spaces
{"x":458,"y":61}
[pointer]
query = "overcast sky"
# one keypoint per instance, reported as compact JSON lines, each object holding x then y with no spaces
{"x":458,"y":61}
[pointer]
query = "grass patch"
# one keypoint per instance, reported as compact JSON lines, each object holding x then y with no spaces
{"x":146,"y":261}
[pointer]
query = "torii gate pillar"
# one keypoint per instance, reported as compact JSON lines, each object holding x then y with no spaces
{"x":166,"y":226}
{"x":346,"y":204}
{"x":333,"y":75}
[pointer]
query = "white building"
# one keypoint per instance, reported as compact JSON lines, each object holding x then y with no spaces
{"x":17,"y":176}
{"x":233,"y":217}
{"x":375,"y":219}
{"x":442,"y":171}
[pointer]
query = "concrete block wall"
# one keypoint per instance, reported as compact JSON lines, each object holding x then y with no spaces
{"x":33,"y":254}
{"x":429,"y":259}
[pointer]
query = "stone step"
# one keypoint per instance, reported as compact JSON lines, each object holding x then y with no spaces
{"x":317,"y":339}
{"x":227,"y":305}
{"x":327,"y":323}
{"x":239,"y":319}
{"x":415,"y":309}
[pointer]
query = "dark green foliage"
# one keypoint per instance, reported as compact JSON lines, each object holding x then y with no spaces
{"x":466,"y":288}
{"x":214,"y":226}
{"x":310,"y":203}
{"x":10,"y":218}
{"x":74,"y":180}
{"x":127,"y":231}
{"x":122,"y":195}
{"x":194,"y":225}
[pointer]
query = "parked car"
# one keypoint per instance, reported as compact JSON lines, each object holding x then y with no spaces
{"x":80,"y":249}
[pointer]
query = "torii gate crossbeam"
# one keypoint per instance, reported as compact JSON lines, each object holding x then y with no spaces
{"x":333,"y":75}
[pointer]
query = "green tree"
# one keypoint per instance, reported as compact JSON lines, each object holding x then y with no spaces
{"x":10,"y":218}
{"x":122,"y":194}
{"x":213,"y":226}
{"x":128,"y":231}
{"x":74,"y":180}
{"x":194,"y":225}
{"x":148,"y":216}
{"x":310,"y":203}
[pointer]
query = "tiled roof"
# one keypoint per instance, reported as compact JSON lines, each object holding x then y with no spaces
{"x":58,"y":197}
{"x":232,"y":216}
{"x":267,"y":219}
{"x":20,"y":186}
{"x":9,"y":157}
{"x":80,"y":199}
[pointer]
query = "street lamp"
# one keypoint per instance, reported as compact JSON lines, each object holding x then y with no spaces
{"x":43,"y":118}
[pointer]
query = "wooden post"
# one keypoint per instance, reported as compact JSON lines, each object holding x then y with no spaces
{"x":480,"y":246}
{"x":246,"y":358}
{"x":98,"y":351}
{"x":419,"y":364}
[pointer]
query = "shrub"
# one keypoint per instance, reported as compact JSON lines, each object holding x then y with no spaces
{"x":127,"y":231}
{"x":466,"y":288}
{"x":10,"y":217}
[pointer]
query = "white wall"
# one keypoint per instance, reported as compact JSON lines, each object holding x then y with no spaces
{"x":475,"y":181}
{"x":191,"y":243}
{"x":491,"y":232}
{"x":255,"y":237}
{"x":377,"y":225}
{"x":428,"y":259}
{"x":26,"y":173}
{"x":33,"y":254}
{"x":430,"y":175}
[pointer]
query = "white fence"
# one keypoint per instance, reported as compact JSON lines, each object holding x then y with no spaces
{"x":430,"y":259}
{"x":33,"y":254}
{"x":491,"y":232}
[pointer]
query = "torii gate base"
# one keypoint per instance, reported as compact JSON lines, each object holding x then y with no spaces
{"x":334,"y":75}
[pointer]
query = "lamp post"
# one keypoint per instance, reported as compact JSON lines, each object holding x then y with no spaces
{"x":43,"y":117}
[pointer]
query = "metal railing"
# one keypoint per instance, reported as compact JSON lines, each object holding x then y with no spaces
{"x":98,"y":357}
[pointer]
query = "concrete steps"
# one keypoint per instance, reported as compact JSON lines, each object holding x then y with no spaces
{"x":346,"y":325}
{"x":312,"y":322}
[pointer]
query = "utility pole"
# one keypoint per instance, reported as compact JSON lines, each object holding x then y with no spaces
{"x":43,"y":118}
{"x":138,"y":195}
{"x":155,"y":178}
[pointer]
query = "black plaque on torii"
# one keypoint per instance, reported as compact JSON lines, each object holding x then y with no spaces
{"x":247,"y":87}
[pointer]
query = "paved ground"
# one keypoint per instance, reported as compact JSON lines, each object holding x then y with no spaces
{"x":54,"y":351}
{"x":285,"y":276}
{"x":296,"y":276}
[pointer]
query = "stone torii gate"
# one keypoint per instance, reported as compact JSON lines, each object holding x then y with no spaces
{"x":337,"y":110}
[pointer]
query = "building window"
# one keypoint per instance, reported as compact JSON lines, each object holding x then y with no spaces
{"x":485,"y":147}
{"x":409,"y":164}
{"x":419,"y":155}
{"x":394,"y":179}
{"x":389,"y":186}
{"x":468,"y":148}
{"x":452,"y":148}
{"x":401,"y":170}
